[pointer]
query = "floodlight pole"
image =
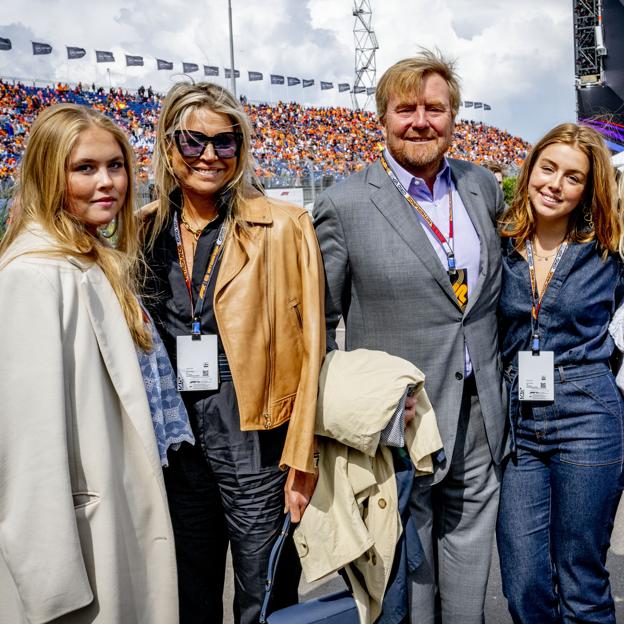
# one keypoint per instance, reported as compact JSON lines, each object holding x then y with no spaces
{"x":232,"y":71}
{"x":365,"y":47}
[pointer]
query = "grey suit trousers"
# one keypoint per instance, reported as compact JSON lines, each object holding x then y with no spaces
{"x":449,"y":587}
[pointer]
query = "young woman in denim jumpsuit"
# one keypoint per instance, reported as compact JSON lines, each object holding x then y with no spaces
{"x":562,"y":281}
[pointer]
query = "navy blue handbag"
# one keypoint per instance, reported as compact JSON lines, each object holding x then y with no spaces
{"x":337,"y":608}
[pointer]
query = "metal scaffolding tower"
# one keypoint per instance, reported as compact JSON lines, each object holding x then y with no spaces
{"x":588,"y":42}
{"x":365,"y":47}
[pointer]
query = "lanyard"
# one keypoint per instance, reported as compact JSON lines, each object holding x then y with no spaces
{"x":216,"y":252}
{"x":536,"y":298}
{"x":447,"y":245}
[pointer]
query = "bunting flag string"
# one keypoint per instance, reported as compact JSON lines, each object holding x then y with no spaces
{"x":160,"y":64}
{"x":41,"y":48}
{"x":105,"y":56}
{"x":75,"y":53}
{"x":134,"y":61}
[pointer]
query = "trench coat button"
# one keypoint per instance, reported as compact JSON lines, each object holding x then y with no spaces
{"x":382,"y":503}
{"x":458,"y":376}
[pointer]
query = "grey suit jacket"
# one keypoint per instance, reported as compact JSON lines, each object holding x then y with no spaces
{"x":384,"y":278}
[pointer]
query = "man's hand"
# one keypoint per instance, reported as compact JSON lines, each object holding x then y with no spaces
{"x":298,"y":492}
{"x":409,"y":413}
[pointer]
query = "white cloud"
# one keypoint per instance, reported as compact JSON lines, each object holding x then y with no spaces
{"x":516,"y":56}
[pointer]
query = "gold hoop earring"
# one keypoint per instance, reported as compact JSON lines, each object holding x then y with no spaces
{"x":589,"y":218}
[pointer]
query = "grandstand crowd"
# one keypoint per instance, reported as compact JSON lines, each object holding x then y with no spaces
{"x":291,"y":140}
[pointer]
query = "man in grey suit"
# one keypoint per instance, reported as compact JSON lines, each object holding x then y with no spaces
{"x":412,"y":261}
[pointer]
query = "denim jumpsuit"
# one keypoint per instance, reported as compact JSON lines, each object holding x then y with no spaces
{"x":562,"y":482}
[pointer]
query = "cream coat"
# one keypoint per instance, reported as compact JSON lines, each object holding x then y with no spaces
{"x":85,"y":534}
{"x":353,"y":519}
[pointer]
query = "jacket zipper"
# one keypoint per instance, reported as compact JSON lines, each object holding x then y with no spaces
{"x":267,"y":411}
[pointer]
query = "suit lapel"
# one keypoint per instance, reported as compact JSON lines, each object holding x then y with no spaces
{"x":118,"y":353}
{"x":472,"y":199}
{"x":397,"y":211}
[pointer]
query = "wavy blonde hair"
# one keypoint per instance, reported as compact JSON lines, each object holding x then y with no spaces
{"x":597,"y":206}
{"x":182,"y":100}
{"x":42,"y":198}
{"x":405,"y":78}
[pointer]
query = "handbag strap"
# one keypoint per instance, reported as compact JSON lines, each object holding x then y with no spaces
{"x":274,"y":557}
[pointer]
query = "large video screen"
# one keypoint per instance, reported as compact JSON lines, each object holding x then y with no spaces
{"x":605,"y":103}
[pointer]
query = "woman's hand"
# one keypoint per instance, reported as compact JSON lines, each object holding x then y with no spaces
{"x":298,"y":492}
{"x":409,"y":413}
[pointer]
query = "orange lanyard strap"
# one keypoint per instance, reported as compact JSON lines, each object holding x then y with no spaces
{"x":447,"y":245}
{"x":214,"y":255}
{"x":537,"y":298}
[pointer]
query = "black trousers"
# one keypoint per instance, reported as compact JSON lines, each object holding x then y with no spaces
{"x":212,"y":506}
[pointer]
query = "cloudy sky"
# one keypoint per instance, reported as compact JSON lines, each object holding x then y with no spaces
{"x":515,"y":56}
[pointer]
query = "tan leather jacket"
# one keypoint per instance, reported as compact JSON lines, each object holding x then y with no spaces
{"x":269,"y":306}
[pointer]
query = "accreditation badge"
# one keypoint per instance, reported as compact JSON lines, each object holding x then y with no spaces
{"x":459,"y":282}
{"x":536,"y":376}
{"x":198,"y":362}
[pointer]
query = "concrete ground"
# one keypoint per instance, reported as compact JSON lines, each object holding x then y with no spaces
{"x":495,"y":606}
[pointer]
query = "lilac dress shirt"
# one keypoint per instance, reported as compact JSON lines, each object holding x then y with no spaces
{"x":436,"y":205}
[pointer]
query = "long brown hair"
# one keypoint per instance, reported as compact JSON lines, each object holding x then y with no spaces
{"x":181,"y":100}
{"x":42,"y":198}
{"x":595,"y":217}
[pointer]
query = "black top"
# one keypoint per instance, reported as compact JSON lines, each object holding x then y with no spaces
{"x":166,"y":295}
{"x":214,"y":413}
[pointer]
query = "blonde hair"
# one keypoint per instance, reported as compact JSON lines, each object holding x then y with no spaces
{"x":595,"y":217}
{"x":405,"y":78}
{"x":182,"y":100}
{"x":42,"y":197}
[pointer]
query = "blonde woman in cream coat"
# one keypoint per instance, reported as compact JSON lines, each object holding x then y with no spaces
{"x":85,"y":534}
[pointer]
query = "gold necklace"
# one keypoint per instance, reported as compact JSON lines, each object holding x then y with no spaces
{"x":548,"y":257}
{"x":196,"y":232}
{"x":543,"y":258}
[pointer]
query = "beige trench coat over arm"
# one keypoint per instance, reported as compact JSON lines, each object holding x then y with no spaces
{"x":353,"y":519}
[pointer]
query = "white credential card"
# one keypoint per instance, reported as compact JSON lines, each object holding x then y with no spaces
{"x":536,"y":376}
{"x":198,"y":363}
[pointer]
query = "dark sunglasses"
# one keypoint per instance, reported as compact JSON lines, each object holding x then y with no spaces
{"x":191,"y":144}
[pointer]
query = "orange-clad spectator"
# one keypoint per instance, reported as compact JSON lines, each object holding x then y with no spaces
{"x":291,"y":140}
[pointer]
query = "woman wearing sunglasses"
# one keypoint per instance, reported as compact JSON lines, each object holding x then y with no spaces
{"x":237,"y":293}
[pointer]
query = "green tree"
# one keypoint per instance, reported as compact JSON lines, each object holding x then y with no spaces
{"x":509,"y":188}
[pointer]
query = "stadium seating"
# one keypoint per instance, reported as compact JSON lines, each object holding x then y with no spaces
{"x":291,"y":140}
